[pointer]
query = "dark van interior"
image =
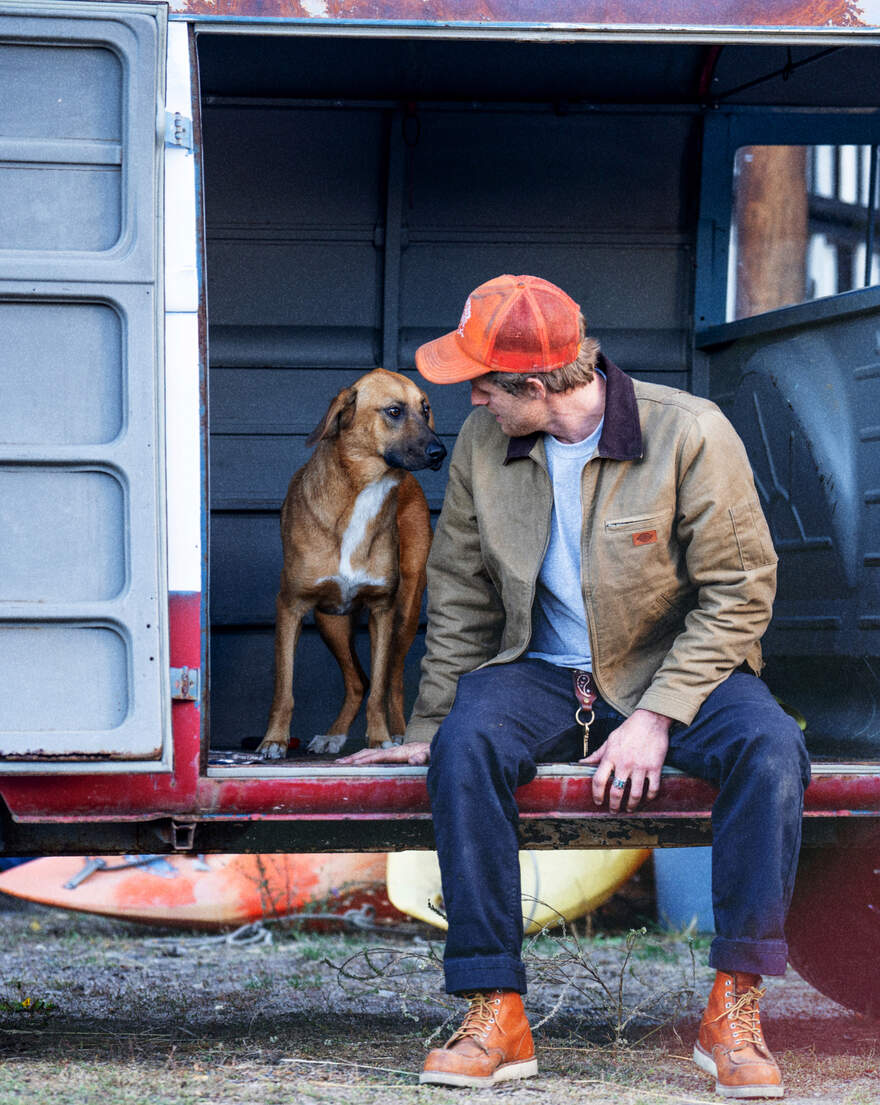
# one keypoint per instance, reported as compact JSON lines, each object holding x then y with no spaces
{"x":356,"y":189}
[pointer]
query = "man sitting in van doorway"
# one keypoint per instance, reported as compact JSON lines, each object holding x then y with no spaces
{"x":601,"y":548}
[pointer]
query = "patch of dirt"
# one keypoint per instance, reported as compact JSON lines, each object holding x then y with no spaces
{"x":96,"y":1011}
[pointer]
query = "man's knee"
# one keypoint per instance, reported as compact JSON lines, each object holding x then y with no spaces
{"x":461,"y":750}
{"x":459,"y":738}
{"x":773,"y":751}
{"x":750,"y":730}
{"x":485,"y":706}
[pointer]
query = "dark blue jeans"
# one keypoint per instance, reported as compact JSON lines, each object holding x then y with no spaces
{"x":507,"y":719}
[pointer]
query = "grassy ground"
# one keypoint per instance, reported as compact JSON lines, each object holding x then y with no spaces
{"x":93,"y":1011}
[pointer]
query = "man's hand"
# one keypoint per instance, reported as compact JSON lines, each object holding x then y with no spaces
{"x":634,"y":752}
{"x":415,"y":753}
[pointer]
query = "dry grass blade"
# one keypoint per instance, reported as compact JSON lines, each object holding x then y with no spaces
{"x":347,"y":1063}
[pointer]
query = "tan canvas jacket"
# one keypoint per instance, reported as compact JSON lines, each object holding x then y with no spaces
{"x":678,"y":570}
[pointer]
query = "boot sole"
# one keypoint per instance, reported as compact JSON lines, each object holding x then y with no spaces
{"x":528,"y":1068}
{"x":707,"y":1063}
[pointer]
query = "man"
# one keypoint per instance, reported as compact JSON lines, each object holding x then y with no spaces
{"x":601,"y":546}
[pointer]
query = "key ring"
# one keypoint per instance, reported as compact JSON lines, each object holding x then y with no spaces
{"x":586,"y":722}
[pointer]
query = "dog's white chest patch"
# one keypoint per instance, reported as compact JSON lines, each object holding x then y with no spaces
{"x":366,"y":506}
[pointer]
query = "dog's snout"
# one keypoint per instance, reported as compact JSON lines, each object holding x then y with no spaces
{"x":435,"y":452}
{"x":413,"y":451}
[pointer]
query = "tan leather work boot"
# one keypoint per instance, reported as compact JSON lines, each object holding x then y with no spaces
{"x":494,"y":1044}
{"x":730,"y":1044}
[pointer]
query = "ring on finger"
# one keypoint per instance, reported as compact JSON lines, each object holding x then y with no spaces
{"x":620,"y":783}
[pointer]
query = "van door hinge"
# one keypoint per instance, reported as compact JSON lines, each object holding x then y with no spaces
{"x":178,"y":130}
{"x":185,"y":684}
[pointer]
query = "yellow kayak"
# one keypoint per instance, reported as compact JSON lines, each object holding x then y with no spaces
{"x":557,"y":886}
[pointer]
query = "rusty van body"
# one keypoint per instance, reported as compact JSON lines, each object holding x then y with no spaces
{"x":216,"y":212}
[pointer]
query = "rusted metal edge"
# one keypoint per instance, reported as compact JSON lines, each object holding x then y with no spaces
{"x":645,"y":34}
{"x":602,"y":819}
{"x":382,"y":835}
{"x":290,"y":771}
{"x":325,"y":796}
{"x":665,"y":14}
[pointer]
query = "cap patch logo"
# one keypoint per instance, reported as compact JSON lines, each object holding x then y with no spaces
{"x":644,"y":537}
{"x":465,"y":315}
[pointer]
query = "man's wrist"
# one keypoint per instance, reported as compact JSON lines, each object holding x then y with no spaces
{"x":655,"y":720}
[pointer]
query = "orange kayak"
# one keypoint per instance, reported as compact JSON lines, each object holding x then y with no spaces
{"x":208,"y":892}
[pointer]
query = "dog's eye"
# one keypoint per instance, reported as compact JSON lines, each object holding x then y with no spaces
{"x":426,"y":411}
{"x":394,"y":412}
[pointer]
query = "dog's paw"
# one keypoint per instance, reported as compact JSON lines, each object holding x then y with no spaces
{"x":272,"y":751}
{"x":394,"y":741}
{"x":331,"y":743}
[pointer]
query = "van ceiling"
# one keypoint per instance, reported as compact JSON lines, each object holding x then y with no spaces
{"x":315,"y":67}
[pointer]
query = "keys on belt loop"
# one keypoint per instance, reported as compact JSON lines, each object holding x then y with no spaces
{"x":585,"y":694}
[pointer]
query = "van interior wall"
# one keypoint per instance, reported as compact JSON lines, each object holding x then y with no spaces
{"x":341,"y":236}
{"x":357,"y":190}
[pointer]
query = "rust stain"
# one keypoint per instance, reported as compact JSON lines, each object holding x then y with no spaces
{"x":666,"y":13}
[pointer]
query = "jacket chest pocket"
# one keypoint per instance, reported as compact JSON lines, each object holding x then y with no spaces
{"x":641,"y":528}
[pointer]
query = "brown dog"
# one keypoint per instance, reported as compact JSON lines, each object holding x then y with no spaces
{"x":356,"y":531}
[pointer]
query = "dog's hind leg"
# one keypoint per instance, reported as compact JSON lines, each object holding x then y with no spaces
{"x":288,"y":622}
{"x":414,"y":526}
{"x":406,"y":624}
{"x":337,"y":632}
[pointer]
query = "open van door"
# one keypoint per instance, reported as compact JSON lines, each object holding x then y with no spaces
{"x":83,"y":592}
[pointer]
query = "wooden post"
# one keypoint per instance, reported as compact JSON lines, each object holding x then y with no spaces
{"x":771,"y":220}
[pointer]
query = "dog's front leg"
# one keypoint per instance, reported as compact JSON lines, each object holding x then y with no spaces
{"x":288,"y":622}
{"x":381,"y":634}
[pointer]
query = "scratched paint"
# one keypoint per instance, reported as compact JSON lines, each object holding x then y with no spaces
{"x":665,"y":13}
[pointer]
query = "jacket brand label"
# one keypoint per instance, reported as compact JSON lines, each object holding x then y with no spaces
{"x":645,"y":537}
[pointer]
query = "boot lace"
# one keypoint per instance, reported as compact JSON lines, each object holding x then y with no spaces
{"x":478,"y":1019}
{"x":744,"y":1018}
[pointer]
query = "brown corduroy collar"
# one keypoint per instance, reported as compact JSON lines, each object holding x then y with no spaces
{"x":621,"y":437}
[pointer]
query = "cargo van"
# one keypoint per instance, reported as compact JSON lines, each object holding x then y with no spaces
{"x":216,"y":213}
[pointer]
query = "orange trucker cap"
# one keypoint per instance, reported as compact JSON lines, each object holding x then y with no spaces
{"x":509,"y":324}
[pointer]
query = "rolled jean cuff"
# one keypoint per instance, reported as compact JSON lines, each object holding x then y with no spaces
{"x":754,"y":957}
{"x":484,"y":972}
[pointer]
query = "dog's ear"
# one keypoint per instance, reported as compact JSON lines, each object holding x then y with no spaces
{"x":339,"y":416}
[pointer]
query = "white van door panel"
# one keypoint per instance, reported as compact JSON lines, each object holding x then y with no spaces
{"x":83,"y":593}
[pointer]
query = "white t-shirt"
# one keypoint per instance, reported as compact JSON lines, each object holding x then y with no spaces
{"x":559,"y":623}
